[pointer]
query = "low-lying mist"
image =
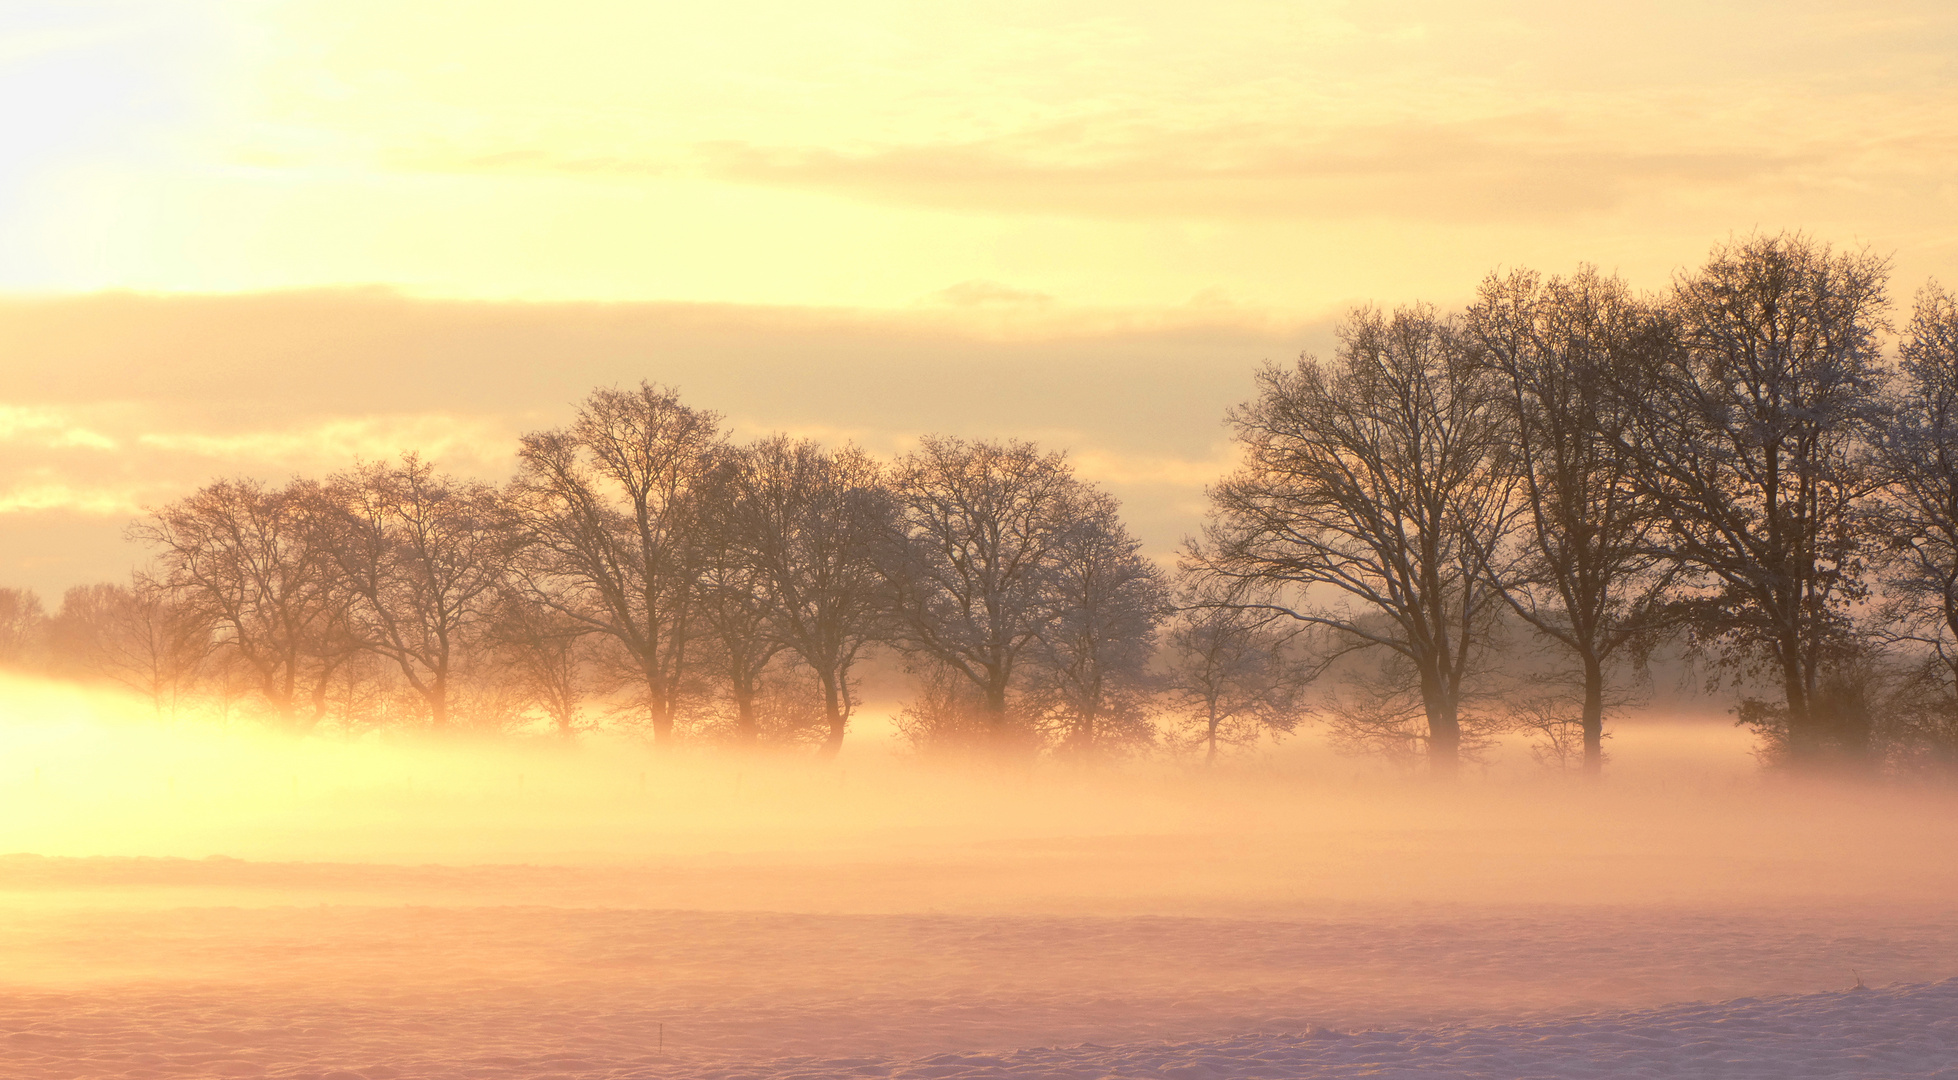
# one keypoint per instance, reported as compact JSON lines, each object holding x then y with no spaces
{"x":95,"y":795}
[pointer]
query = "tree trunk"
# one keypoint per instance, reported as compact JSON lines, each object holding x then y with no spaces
{"x":1593,"y":719}
{"x":1444,"y":733}
{"x":1803,"y":744}
{"x":996,"y":703}
{"x":747,"y":730}
{"x":997,"y":729}
{"x":438,"y":703}
{"x":833,"y":711}
{"x":661,"y":713}
{"x":319,"y":703}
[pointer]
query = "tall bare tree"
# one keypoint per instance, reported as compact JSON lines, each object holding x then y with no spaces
{"x":549,"y":653}
{"x":611,"y":511}
{"x":1917,"y":446}
{"x":422,"y":555}
{"x":1372,"y":492}
{"x":744,"y":640}
{"x":139,"y":635}
{"x":1749,"y":439}
{"x":23,"y":628}
{"x":971,"y":559}
{"x":1227,"y":680}
{"x":1586,"y":571}
{"x":1090,"y":669}
{"x":251,"y":561}
{"x":807,"y":525}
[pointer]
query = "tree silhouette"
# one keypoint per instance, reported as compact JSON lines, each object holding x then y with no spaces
{"x":611,"y":515}
{"x":804,"y":526}
{"x":251,"y":561}
{"x":1372,"y":493}
{"x":422,"y":555}
{"x":1584,"y":570}
{"x":1749,"y":440}
{"x":970,"y":559}
{"x":1917,"y":446}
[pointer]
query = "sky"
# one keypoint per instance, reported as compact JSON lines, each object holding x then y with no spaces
{"x":251,"y":237}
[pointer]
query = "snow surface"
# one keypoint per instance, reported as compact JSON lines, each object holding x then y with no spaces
{"x":1893,"y":1032}
{"x":1904,"y":1031}
{"x":405,"y":913}
{"x":418,"y":990}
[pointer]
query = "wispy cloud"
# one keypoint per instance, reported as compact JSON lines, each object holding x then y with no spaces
{"x":1537,"y":165}
{"x":1111,"y":467}
{"x":49,"y":427}
{"x":113,"y":502}
{"x":977,"y":293}
{"x":466,"y":442}
{"x":129,"y":459}
{"x":1455,"y":172}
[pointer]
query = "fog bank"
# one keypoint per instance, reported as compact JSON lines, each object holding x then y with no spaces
{"x":98,"y":799}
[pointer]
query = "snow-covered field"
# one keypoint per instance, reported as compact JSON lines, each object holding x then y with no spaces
{"x":1909,"y":1031}
{"x":1900,"y":1033}
{"x":519,"y":990}
{"x":245,"y":908}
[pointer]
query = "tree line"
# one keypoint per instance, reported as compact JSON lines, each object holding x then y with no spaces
{"x":1731,"y":465}
{"x":1462,"y":523}
{"x":644,"y":570}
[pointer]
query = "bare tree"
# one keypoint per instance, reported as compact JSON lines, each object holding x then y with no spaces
{"x":970,"y":559}
{"x":422,"y":555}
{"x":1917,"y":724}
{"x":139,"y":635}
{"x":610,"y":508}
{"x":367,"y":693}
{"x":250,"y":561}
{"x":1917,"y":446}
{"x":744,"y":641}
{"x":948,"y":709}
{"x":806,"y":526}
{"x":548,"y":652}
{"x":1749,"y":441}
{"x":1586,"y":572}
{"x":1559,"y":737}
{"x":23,"y":628}
{"x":1372,"y":492}
{"x":1090,"y":668}
{"x":1227,"y":679}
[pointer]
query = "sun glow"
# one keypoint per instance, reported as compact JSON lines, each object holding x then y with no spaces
{"x":648,"y":534}
{"x":1288,"y":156}
{"x":93,"y":773}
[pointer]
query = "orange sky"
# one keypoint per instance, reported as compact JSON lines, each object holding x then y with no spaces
{"x":884,"y":204}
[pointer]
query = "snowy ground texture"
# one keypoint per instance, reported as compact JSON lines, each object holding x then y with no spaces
{"x":1905,"y":1031}
{"x":367,"y":910}
{"x":435,"y":987}
{"x":1894,"y":1032}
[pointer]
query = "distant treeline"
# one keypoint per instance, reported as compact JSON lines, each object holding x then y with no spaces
{"x":1463,"y":523}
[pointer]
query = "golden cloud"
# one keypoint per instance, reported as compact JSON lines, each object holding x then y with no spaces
{"x":469,"y":441}
{"x":48,"y":427}
{"x":1106,"y":467}
{"x":89,"y":501}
